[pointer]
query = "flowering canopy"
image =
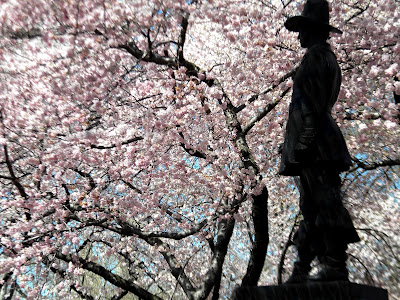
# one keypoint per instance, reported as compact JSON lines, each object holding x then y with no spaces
{"x":139,"y":144}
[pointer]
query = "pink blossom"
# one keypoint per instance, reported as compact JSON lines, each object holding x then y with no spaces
{"x":65,"y":250}
{"x":374,"y":71}
{"x":393,"y":69}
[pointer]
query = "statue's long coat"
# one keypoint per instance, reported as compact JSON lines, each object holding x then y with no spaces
{"x":310,"y":126}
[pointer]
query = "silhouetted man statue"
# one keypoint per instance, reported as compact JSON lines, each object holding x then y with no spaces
{"x":315,"y":150}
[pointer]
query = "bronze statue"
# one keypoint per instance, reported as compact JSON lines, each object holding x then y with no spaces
{"x":315,"y":150}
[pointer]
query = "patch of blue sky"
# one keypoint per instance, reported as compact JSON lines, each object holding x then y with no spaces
{"x":193,"y":162}
{"x":29,"y":270}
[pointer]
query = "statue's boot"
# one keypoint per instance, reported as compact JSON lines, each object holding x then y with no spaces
{"x":305,"y":254}
{"x":299,"y":274}
{"x":333,"y":261}
{"x":331,"y":270}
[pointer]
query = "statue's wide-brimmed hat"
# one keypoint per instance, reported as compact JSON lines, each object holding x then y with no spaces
{"x":315,"y":14}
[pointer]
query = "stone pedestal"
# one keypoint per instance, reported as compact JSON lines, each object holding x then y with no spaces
{"x":335,"y":290}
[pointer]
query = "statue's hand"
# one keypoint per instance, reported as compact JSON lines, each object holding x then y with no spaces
{"x":302,"y":152}
{"x":307,"y":136}
{"x":301,"y":147}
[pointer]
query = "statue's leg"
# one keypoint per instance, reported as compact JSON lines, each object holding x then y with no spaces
{"x":305,"y":236}
{"x":334,"y":260}
{"x":305,"y":254}
{"x":335,"y":226}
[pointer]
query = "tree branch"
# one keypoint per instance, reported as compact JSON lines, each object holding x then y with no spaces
{"x":396,"y":96}
{"x":86,"y":175}
{"x":355,"y":116}
{"x":261,"y":239}
{"x":381,"y":237}
{"x":360,"y":11}
{"x":23,"y":33}
{"x":175,"y":63}
{"x":369,"y":278}
{"x":81,"y":294}
{"x":376,"y":165}
{"x":135,"y":139}
{"x":240,"y":139}
{"x":266,"y":91}
{"x":182,"y":36}
{"x":264,"y":112}
{"x":225,"y":231}
{"x":176,"y":269}
{"x":4,"y":294}
{"x":115,"y":279}
{"x":191,"y":151}
{"x":217,"y":286}
{"x":15,"y":180}
{"x":129,"y":230}
{"x":120,"y":296}
{"x":288,"y":243}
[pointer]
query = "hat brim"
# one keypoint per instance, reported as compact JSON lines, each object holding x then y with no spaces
{"x":298,"y":22}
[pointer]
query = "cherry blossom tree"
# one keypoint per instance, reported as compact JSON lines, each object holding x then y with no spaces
{"x":139,"y":145}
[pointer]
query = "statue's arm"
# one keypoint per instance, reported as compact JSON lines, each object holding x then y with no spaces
{"x":313,"y":97}
{"x":307,"y":134}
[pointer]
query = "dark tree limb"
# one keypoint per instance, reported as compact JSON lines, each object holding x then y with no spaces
{"x":132,"y":187}
{"x":101,"y":147}
{"x":115,"y":279}
{"x":224,"y":235}
{"x":25,"y":34}
{"x":217,"y":286}
{"x":368,"y":277}
{"x":81,"y":294}
{"x":87,"y":176}
{"x":129,"y":230}
{"x":261,"y":114}
{"x":381,"y":236}
{"x":191,"y":151}
{"x":376,"y":165}
{"x":163,"y":60}
{"x":62,"y":273}
{"x":182,"y":36}
{"x":267,"y":90}
{"x":260,"y":203}
{"x":261,"y":239}
{"x":19,"y":291}
{"x":355,"y":116}
{"x":234,"y":125}
{"x":177,"y":270}
{"x":15,"y":180}
{"x":360,"y":11}
{"x":120,"y":296}
{"x":396,"y":96}
{"x":5,"y":292}
{"x":288,"y":243}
